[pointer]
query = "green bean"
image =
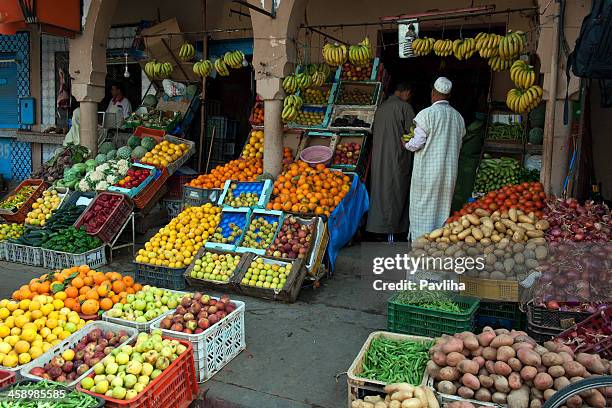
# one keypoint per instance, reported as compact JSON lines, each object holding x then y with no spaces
{"x":428,"y":300}
{"x":392,"y":361}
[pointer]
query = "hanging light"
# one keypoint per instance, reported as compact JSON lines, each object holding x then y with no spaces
{"x":126,"y":73}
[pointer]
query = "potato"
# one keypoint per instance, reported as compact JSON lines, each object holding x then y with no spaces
{"x":401,"y":395}
{"x":502,"y":331}
{"x":529,"y":358}
{"x":556,"y":371}
{"x":477,"y":352}
{"x":394,"y":387}
{"x":485,"y":338}
{"x":452,"y":344}
{"x":502,"y":340}
{"x":501,"y":383}
{"x":528,"y":373}
{"x":433,"y":369}
{"x":373,"y":398}
{"x":551,"y":359}
{"x":395,"y":404}
{"x":485,"y":381}
{"x":432,"y":401}
{"x":535,"y":393}
{"x":519,"y":398}
{"x":480,"y":361}
{"x":515,"y":364}
{"x":489,"y":353}
{"x":447,"y":387}
{"x":596,"y":399}
{"x":449,"y":373}
{"x":514,"y":381}
{"x":470,"y":381}
{"x":535,"y":403}
{"x":439,"y":358}
{"x":465,"y":392}
{"x":591,"y":362}
{"x":411,"y":403}
{"x":453,"y":358}
{"x":523,"y":344}
{"x":542,"y":225}
{"x":477,"y":233}
{"x":474,"y":220}
{"x":574,"y":369}
{"x":381,"y":404}
{"x":505,"y":353}
{"x":543,"y":381}
{"x":490,"y":366}
{"x":548,"y":393}
{"x":540,"y":350}
{"x":460,"y":404}
{"x":483,"y":395}
{"x":502,"y":368}
{"x":470,"y":342}
{"x":561,"y":382}
{"x":512,"y":214}
{"x":499,"y":398}
{"x":437,"y":233}
{"x":574,"y":402}
{"x":468,"y":366}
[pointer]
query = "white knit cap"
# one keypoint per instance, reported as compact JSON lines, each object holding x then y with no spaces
{"x":443,"y":85}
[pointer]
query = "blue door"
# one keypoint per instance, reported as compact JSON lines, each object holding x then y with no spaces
{"x":9,"y":114}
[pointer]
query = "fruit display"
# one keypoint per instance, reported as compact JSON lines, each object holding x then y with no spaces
{"x":134,"y":178}
{"x":310,"y":116}
{"x":290,"y":85}
{"x":353,"y":94}
{"x":234,"y":59}
{"x":496,"y":173}
{"x":258,"y":114}
{"x":230,"y":227}
{"x":165,"y":153}
{"x":304,"y":80}
{"x":197,"y":313}
{"x":314,"y":96}
{"x":221,"y":67}
{"x":498,"y":64}
{"x":28,"y":328}
{"x":152,"y":118}
{"x":522,"y":74}
{"x":505,"y":131}
{"x":242,"y":169}
{"x":291,"y":108}
{"x":100,"y":210}
{"x":243,"y":194}
{"x":203,"y":68}
{"x":146,"y":305}
{"x":73,"y":362}
{"x":11,"y":231}
{"x":158,"y":70}
{"x":64,"y":158}
{"x":526,"y":197}
{"x":71,"y":240}
{"x":422,"y":46}
{"x":360,"y":54}
{"x":103,"y":175}
{"x":254,"y":147}
{"x":81,"y":288}
{"x":304,"y":189}
{"x":186,"y":52}
{"x":43,"y":208}
{"x":510,"y":368}
{"x":176,"y":244}
{"x":524,"y":100}
{"x":217,"y":267}
{"x":352,"y":72}
{"x":443,"y":48}
{"x":70,"y":398}
{"x":463,"y":49}
{"x":335,"y":54}
{"x":18,"y":198}
{"x":347,"y":153}
{"x":511,"y":45}
{"x":287,"y":156}
{"x":129,"y":369}
{"x":350,"y":121}
{"x":403,"y":393}
{"x":487,"y":44}
{"x":294,"y":239}
{"x":267,"y":273}
{"x":261,"y":232}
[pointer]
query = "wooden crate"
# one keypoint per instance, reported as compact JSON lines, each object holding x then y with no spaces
{"x":288,"y":294}
{"x":217,"y":285}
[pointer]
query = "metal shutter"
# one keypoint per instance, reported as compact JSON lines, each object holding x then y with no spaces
{"x":9,"y":99}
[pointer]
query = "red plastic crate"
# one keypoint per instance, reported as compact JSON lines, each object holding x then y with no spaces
{"x":176,"y":387}
{"x":176,"y":183}
{"x":20,"y":215}
{"x":114,"y":222}
{"x":599,"y":322}
{"x":156,"y":134}
{"x":145,"y":196}
{"x":7,"y":378}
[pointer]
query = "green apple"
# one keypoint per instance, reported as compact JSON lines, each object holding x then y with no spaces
{"x":129,"y":380}
{"x":127,"y":349}
{"x":134,"y":367}
{"x":130,"y":298}
{"x":155,"y":373}
{"x":141,"y":319}
{"x":131,"y":394}
{"x":147,"y":369}
{"x":101,"y":387}
{"x":99,"y":368}
{"x":112,"y":368}
{"x":138,"y":387}
{"x":122,"y":358}
{"x":143,"y":379}
{"x":110,"y":378}
{"x":139,"y":304}
{"x":119,"y":392}
{"x":87,"y":383}
{"x":117,"y":382}
{"x":99,"y":378}
{"x":172,"y":303}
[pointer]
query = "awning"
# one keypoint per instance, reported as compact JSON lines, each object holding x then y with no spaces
{"x":57,"y":17}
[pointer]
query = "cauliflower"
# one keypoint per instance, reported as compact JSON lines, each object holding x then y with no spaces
{"x":123,"y":163}
{"x":103,"y":167}
{"x":96,"y":175}
{"x":110,"y":179}
{"x":83,"y":185}
{"x":102,"y":185}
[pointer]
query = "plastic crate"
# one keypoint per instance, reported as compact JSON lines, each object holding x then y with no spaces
{"x":139,"y":327}
{"x":257,"y":105}
{"x":74,"y":196}
{"x":177,"y":181}
{"x":20,"y":385}
{"x":505,"y":315}
{"x":195,"y":196}
{"x":357,"y":137}
{"x":357,"y":384}
{"x":2,"y":251}
{"x":23,"y":254}
{"x":157,"y":134}
{"x":372,"y":89}
{"x":217,"y":345}
{"x":268,"y":215}
{"x":143,"y":199}
{"x":19,"y":215}
{"x":493,"y":289}
{"x":221,"y":286}
{"x":598,"y":322}
{"x":446,"y":399}
{"x":7,"y":378}
{"x":539,"y":334}
{"x":238,"y":216}
{"x":554,"y":319}
{"x":114,"y":221}
{"x":69,"y":343}
{"x":174,"y":207}
{"x":175,"y":387}
{"x":288,"y":293}
{"x":175,"y":165}
{"x":366,"y":114}
{"x":325,"y":109}
{"x":262,"y":188}
{"x":95,"y":258}
{"x":160,"y":276}
{"x":133,"y":192}
{"x":413,"y":319}
{"x":373,"y":76}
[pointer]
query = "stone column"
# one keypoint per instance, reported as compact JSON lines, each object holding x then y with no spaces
{"x":271,"y":92}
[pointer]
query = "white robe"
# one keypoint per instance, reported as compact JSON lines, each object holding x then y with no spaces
{"x":435,"y":168}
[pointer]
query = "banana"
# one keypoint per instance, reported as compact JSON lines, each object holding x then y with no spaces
{"x":335,"y":54}
{"x":290,"y":85}
{"x":186,"y":52}
{"x":221,"y":67}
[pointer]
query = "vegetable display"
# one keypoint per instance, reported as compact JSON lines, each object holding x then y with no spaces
{"x":19,"y":198}
{"x":496,"y":173}
{"x":64,"y":158}
{"x":64,"y":217}
{"x":104,"y":175}
{"x":103,"y":208}
{"x":428,"y":300}
{"x":70,"y":399}
{"x":569,"y":220}
{"x":529,"y":176}
{"x":134,"y":177}
{"x":505,"y":131}
{"x":400,"y":395}
{"x":71,"y":240}
{"x":393,"y":361}
{"x":510,"y":368}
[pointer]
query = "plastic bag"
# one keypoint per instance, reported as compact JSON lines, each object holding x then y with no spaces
{"x":533,"y":162}
{"x":172,"y":88}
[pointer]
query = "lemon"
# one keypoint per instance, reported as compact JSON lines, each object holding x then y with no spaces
{"x":12,"y":340}
{"x":24,"y":358}
{"x":36,"y":343}
{"x":36,"y":314}
{"x":18,"y":312}
{"x":51,"y":337}
{"x":51,"y":323}
{"x":57,"y":330}
{"x":4,"y":313}
{"x":56,"y":341}
{"x":58,"y":304}
{"x":15,"y":331}
{"x":5,"y":348}
{"x":24,"y":304}
{"x":21,"y":320}
{"x":64,"y":311}
{"x":46,"y":346}
{"x":12,"y":306}
{"x":34,"y":305}
{"x":28,"y":335}
{"x":36,"y":352}
{"x":47,"y":309}
{"x":10,"y":361}
{"x":22,"y":346}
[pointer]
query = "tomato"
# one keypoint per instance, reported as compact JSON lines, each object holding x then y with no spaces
{"x":493,"y":206}
{"x":542,"y":195}
{"x":539,"y":204}
{"x":527,"y":196}
{"x":539,"y":214}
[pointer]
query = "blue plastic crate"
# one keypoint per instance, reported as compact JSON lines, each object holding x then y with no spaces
{"x":262,"y":188}
{"x":160,"y":276}
{"x":133,"y":192}
{"x":268,"y":215}
{"x":325,"y":109}
{"x":238,"y":216}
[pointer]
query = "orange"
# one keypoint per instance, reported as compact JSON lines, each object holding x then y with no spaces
{"x":44,"y":287}
{"x":17,"y":295}
{"x":118,"y":286}
{"x":128,"y":280}
{"x":102,"y":290}
{"x":34,"y":287}
{"x":90,"y":307}
{"x":71,"y":303}
{"x":106,"y":303}
{"x":116,"y":299}
{"x":83,"y":269}
{"x":92,"y":295}
{"x":78,"y":282}
{"x":130,"y":290}
{"x":99,"y":277}
{"x":137,"y":287}
{"x":88,"y":280}
{"x":72,"y":292}
{"x":84,"y":290}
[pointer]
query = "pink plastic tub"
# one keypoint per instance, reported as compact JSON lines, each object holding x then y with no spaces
{"x":314,"y":155}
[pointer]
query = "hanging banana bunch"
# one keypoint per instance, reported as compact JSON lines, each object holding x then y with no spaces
{"x":522,"y":74}
{"x":318,"y":78}
{"x":511,"y":45}
{"x":422,"y":46}
{"x":487,"y":44}
{"x":291,"y":108}
{"x":335,"y":54}
{"x":464,"y":49}
{"x":324,"y":69}
{"x":221,"y":67}
{"x":290,"y":84}
{"x":233,"y":59}
{"x":202,"y":68}
{"x":498,"y":64}
{"x":186,"y":52}
{"x":360,"y":54}
{"x":158,"y":70}
{"x":524,"y":100}
{"x":443,"y":48}
{"x":304,"y":81}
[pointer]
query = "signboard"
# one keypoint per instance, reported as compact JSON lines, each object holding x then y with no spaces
{"x":407,"y":31}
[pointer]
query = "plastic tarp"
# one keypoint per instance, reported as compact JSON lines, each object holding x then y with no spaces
{"x":344,"y":221}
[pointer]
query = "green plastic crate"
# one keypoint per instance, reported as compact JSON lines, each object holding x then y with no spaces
{"x":411,"y":319}
{"x":498,"y":315}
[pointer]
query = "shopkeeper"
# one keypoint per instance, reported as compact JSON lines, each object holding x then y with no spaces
{"x":437,"y":141}
{"x":391,"y":165}
{"x":119,"y":103}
